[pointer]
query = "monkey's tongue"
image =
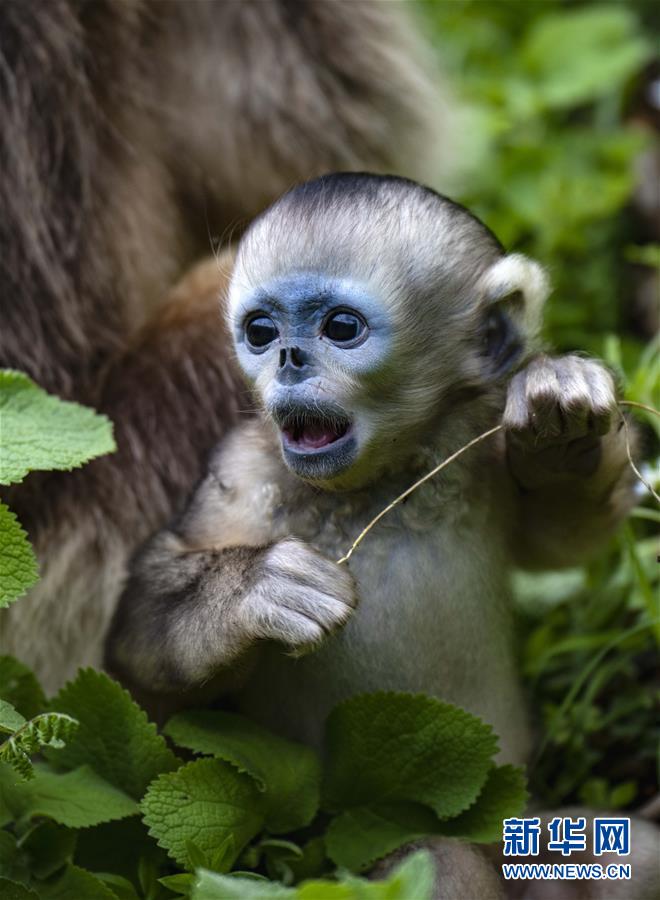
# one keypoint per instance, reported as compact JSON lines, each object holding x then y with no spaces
{"x":313,"y":435}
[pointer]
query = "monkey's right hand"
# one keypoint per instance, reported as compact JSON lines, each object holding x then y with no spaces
{"x":187,"y":615}
{"x":298,"y":598}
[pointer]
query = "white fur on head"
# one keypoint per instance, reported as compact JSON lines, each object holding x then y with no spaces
{"x":514,"y":275}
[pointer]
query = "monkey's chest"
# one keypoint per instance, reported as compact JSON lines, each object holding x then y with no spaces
{"x":433,"y":617}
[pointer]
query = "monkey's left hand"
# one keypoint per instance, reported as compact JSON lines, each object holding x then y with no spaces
{"x":557,"y":412}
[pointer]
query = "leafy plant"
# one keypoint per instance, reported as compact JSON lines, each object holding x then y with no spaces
{"x":38,"y":432}
{"x":28,"y":737}
{"x":251,"y":806}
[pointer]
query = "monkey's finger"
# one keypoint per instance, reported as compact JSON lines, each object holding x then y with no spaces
{"x":277,"y":623}
{"x":574,"y":397}
{"x":294,"y":560}
{"x":543,"y":393}
{"x":327,"y":609}
{"x":603,"y":396}
{"x":516,"y":411}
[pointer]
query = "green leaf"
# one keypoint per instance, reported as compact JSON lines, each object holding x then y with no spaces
{"x":18,"y":564}
{"x":75,"y":884}
{"x":412,"y":880}
{"x":211,"y":886}
{"x":48,"y":847}
{"x":179,"y":884}
{"x":579,"y":55}
{"x":504,"y":795}
{"x":387,"y":747}
{"x":10,"y":720}
{"x":77,"y":799}
{"x":115,"y":736}
{"x":40,"y":431}
{"x":44,"y":730}
{"x":12,"y":890}
{"x":8,"y":853}
{"x":12,"y":794}
{"x":206,"y":801}
{"x":19,"y":687}
{"x":288,"y":772}
{"x":358,"y":837}
{"x":314,"y":861}
{"x":196,"y":857}
{"x":133,"y":851}
{"x":119,"y":885}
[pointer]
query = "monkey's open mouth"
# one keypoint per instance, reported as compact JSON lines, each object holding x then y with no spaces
{"x":311,"y":435}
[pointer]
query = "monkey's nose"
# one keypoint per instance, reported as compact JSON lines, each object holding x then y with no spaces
{"x":293,"y":356}
{"x":294,"y":365}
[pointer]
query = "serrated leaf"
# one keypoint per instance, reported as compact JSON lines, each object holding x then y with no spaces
{"x":288,"y":772}
{"x":19,"y":687}
{"x":504,"y":795}
{"x":75,"y":884}
{"x":18,"y":564}
{"x":10,"y":719}
{"x":206,"y":801}
{"x":40,"y":431}
{"x":115,"y":736}
{"x":388,"y":747}
{"x":358,"y":837}
{"x":78,"y":799}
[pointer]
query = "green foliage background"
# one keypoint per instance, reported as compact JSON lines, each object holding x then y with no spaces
{"x":548,"y":96}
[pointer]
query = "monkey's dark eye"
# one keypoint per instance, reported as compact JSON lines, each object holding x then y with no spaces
{"x":260,"y":331}
{"x":344,"y":327}
{"x":495,"y":334}
{"x":500,"y":341}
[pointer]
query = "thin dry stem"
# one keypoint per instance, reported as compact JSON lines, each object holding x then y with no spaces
{"x":481,"y":437}
{"x":414,"y":487}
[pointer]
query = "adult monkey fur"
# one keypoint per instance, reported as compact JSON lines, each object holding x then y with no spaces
{"x":381,"y":327}
{"x":126,"y":128}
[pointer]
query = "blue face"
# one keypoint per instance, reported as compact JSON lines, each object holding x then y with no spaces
{"x":312,"y":334}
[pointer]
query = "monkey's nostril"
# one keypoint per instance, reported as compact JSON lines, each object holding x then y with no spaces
{"x":282,"y":358}
{"x":297,"y":358}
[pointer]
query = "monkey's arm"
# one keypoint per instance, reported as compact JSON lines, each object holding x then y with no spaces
{"x":566,"y":450}
{"x":192,"y":608}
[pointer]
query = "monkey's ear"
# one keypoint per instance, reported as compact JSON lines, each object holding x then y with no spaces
{"x":513,"y":291}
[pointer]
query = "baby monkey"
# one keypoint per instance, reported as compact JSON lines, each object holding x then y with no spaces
{"x":382,"y":327}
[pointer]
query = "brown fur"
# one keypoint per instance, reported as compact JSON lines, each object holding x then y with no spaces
{"x":130,"y":132}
